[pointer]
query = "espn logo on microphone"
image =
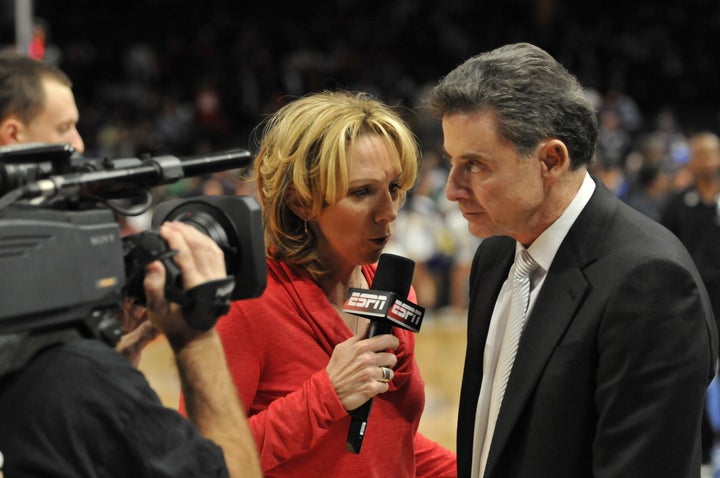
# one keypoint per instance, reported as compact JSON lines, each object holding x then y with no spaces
{"x":372,"y":303}
{"x":406,"y":313}
{"x":386,"y":305}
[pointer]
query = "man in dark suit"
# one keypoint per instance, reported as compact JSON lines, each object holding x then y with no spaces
{"x":618,"y":341}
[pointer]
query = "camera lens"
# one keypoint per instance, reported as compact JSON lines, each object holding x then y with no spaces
{"x":235,"y":224}
{"x":208,"y":225}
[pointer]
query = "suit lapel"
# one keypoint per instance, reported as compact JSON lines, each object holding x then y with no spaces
{"x":490,"y":269}
{"x":554,"y":310}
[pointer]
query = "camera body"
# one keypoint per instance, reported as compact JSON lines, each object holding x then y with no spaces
{"x":58,"y":266}
{"x":62,"y":257}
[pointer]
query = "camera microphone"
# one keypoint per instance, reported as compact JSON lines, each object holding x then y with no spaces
{"x":386,"y":305}
{"x":112,"y":179}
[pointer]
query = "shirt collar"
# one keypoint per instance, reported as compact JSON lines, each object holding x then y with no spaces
{"x":544,"y":248}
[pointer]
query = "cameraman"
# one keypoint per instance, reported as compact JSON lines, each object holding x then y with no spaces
{"x":37,"y":105}
{"x":72,"y":406}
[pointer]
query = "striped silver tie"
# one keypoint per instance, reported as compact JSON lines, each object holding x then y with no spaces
{"x":520,"y":296}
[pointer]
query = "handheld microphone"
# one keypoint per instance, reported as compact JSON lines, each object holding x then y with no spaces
{"x":386,"y":305}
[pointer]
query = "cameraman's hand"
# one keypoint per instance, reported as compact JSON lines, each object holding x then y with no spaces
{"x":137,"y":331}
{"x":199,"y":259}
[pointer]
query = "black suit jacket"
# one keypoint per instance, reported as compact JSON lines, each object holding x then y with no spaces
{"x":613,"y":364}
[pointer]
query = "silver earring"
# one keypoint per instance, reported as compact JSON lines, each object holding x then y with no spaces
{"x":306,"y":231}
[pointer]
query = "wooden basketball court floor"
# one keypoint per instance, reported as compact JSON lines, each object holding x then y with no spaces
{"x":440,"y":351}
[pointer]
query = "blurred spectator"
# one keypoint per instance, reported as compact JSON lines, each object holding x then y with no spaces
{"x":649,"y":192}
{"x":694,"y":216}
{"x":210,"y":115}
{"x":614,"y":141}
{"x":612,"y":176}
{"x":629,"y":116}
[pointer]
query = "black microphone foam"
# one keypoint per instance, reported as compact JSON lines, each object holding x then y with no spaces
{"x":393,"y":274}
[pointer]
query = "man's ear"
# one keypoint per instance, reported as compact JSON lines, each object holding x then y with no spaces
{"x":554,"y":156}
{"x":11,"y":131}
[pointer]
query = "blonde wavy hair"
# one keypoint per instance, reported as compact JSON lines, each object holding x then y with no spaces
{"x":303,"y":157}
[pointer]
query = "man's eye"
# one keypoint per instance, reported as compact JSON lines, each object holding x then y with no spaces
{"x":474,"y":167}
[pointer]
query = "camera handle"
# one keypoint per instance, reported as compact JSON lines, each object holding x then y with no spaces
{"x":204,"y":304}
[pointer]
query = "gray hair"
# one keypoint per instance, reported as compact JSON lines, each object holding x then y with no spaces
{"x":533,"y":96}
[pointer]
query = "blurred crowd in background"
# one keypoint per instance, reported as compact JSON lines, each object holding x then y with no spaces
{"x":182,"y":78}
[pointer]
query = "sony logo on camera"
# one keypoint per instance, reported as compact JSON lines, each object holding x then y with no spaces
{"x":101,"y":239}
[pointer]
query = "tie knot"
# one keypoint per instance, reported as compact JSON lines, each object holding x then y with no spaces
{"x":524,"y":264}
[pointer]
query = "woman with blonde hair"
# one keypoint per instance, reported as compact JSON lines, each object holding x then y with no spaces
{"x":332,"y":170}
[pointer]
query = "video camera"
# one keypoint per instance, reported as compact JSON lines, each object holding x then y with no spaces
{"x":62,"y":257}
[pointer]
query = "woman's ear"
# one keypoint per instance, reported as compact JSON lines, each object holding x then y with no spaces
{"x":296,"y":207}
